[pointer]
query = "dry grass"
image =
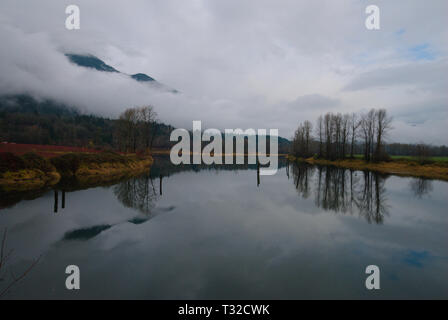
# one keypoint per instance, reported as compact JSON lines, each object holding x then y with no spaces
{"x":31,"y":171}
{"x":28,"y":179}
{"x":110,"y":171}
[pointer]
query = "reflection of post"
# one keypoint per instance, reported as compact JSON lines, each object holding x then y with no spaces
{"x":160,"y":189}
{"x":63,"y":199}
{"x":258,"y":173}
{"x":55,"y":200}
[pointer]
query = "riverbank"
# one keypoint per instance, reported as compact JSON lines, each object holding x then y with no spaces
{"x":397,"y":167}
{"x":31,"y":171}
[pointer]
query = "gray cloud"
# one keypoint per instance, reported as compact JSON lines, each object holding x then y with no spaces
{"x":313,"y":102}
{"x":261,"y":64}
{"x":417,"y":75}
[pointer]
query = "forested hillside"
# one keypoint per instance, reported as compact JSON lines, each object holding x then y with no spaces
{"x":23,"y":119}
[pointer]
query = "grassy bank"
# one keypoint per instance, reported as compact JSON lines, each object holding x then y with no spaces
{"x":410,"y":158}
{"x":400,"y":166}
{"x":31,"y":171}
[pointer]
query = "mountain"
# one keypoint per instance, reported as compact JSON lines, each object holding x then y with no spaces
{"x":26,"y":104}
{"x":90,"y":61}
{"x":24,"y":119}
{"x":142,"y":77}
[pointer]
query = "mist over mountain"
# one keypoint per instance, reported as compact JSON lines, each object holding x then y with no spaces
{"x":28,"y":102}
{"x":30,"y":117}
{"x":90,"y":61}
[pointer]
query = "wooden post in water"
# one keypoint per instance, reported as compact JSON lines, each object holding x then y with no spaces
{"x":258,"y":173}
{"x":55,"y":200}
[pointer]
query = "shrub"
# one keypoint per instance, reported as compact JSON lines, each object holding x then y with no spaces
{"x":383,"y":156}
{"x":67,"y":164}
{"x":34,"y":161}
{"x":424,"y":161}
{"x":10,"y":162}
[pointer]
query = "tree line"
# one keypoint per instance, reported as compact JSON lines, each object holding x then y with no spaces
{"x":338,"y":136}
{"x":418,"y":150}
{"x":24,"y":119}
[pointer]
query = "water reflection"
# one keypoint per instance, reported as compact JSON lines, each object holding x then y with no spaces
{"x":143,"y":192}
{"x":342,"y":190}
{"x":334,"y":189}
{"x":56,"y":200}
{"x":85,"y":233}
{"x":139,"y":193}
{"x":217,"y":235}
{"x":421,"y":186}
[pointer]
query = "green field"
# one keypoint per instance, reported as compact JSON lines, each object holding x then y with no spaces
{"x":435,"y":159}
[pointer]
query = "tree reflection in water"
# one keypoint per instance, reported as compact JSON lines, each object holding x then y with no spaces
{"x":342,"y":190}
{"x":421,"y":186}
{"x":140,"y":193}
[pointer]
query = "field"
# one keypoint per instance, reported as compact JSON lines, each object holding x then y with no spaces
{"x":410,"y":158}
{"x":46,"y":151}
{"x":435,"y":159}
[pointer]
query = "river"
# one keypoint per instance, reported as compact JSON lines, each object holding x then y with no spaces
{"x":200,"y":232}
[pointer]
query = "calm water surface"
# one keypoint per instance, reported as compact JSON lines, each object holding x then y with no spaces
{"x":219,"y":233}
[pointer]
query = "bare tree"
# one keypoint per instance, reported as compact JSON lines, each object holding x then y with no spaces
{"x":320,"y":134}
{"x":345,"y":133}
{"x":354,"y":124}
{"x":336,"y":132}
{"x":299,"y":141}
{"x":368,"y":132}
{"x":4,"y":258}
{"x":337,"y":122}
{"x":146,"y":117}
{"x":135,"y":129}
{"x":383,"y":125}
{"x":302,"y":140}
{"x":128,"y":124}
{"x":307,"y":127}
{"x":328,"y":128}
{"x":422,"y":152}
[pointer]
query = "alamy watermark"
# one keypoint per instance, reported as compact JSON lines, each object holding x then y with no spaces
{"x":212,"y":153}
{"x":373,"y":19}
{"x":73,"y":21}
{"x":72,"y":282}
{"x":373,"y":280}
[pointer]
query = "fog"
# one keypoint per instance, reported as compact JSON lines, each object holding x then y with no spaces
{"x":248,"y":64}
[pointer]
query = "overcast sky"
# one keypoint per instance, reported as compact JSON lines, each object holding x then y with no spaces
{"x":249,"y":64}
